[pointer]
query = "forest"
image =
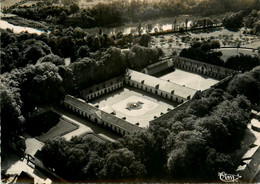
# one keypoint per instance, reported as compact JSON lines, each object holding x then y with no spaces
{"x":119,"y":12}
{"x":243,"y":18}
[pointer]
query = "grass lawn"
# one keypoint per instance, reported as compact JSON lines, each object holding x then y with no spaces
{"x":8,"y":3}
{"x":30,"y":3}
{"x":48,"y":125}
{"x":253,"y":44}
{"x":228,"y":52}
{"x":60,"y":129}
{"x":89,"y":4}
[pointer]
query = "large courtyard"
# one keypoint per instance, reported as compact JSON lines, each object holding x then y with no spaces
{"x":190,"y":80}
{"x":134,"y":105}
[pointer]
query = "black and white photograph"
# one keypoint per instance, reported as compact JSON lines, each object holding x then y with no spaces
{"x":130,"y":91}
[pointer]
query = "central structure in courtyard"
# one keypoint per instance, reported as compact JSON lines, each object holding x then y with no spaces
{"x":134,"y":105}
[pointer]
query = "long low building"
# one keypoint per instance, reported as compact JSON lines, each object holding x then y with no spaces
{"x":168,"y":90}
{"x":206,"y":69}
{"x":102,"y":88}
{"x":100,"y":117}
{"x":250,"y":162}
{"x":158,"y":67}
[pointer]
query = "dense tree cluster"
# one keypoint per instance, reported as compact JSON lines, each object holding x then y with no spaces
{"x":18,"y":50}
{"x":252,"y":21}
{"x":112,"y":62}
{"x":242,"y":62}
{"x":244,"y":18}
{"x":191,"y":145}
{"x":120,"y":11}
{"x":247,"y":84}
{"x":203,"y":51}
{"x":24,"y":90}
{"x":233,"y":20}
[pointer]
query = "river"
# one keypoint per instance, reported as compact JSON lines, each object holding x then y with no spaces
{"x":161,"y":24}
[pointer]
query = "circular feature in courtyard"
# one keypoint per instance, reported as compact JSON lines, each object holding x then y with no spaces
{"x":134,"y":105}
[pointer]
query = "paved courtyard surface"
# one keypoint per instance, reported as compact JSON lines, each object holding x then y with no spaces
{"x":149,"y":105}
{"x":191,"y":80}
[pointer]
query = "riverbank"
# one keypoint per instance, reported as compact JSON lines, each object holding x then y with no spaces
{"x":19,"y":21}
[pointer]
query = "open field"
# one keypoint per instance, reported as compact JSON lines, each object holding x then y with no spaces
{"x":118,"y":101}
{"x":228,"y":52}
{"x":8,"y":3}
{"x":225,"y":37}
{"x":191,"y":80}
{"x":29,"y":3}
{"x":253,"y":44}
{"x":63,"y":127}
{"x":91,"y":3}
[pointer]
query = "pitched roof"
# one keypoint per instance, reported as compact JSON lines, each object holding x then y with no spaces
{"x":164,"y":85}
{"x":103,"y":85}
{"x":250,"y":153}
{"x":90,"y":109}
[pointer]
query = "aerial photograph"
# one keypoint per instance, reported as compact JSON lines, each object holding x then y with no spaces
{"x":130,"y":91}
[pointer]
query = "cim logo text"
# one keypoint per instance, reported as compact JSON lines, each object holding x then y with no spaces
{"x":228,"y":177}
